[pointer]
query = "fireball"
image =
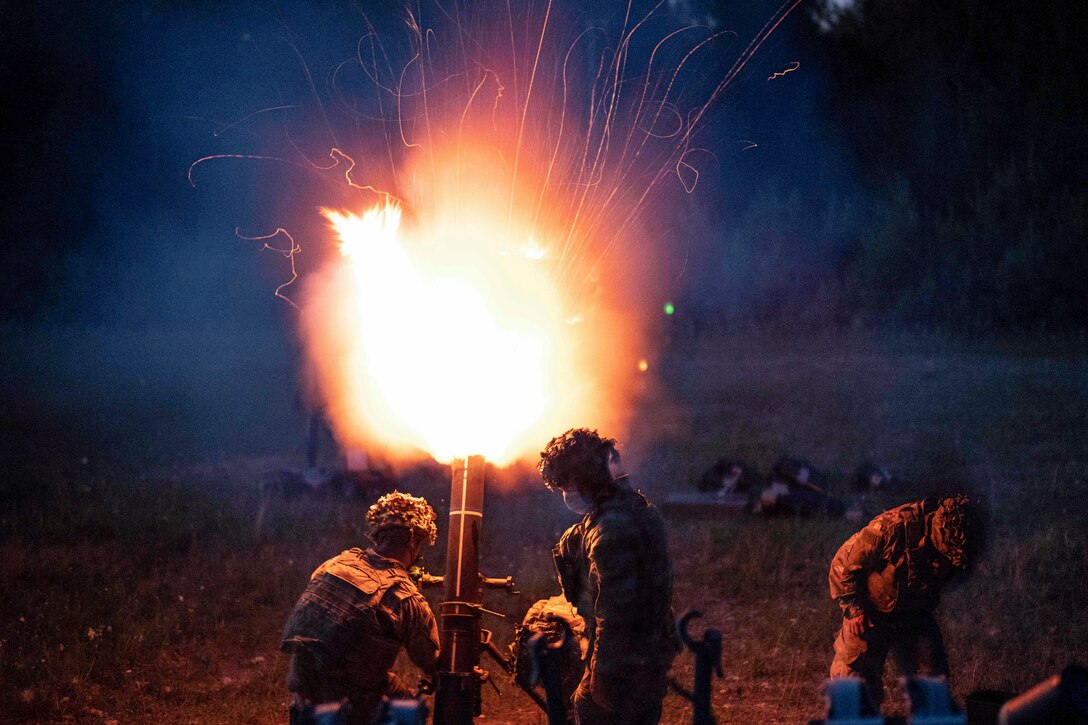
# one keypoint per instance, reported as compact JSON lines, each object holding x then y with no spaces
{"x":450,"y":359}
{"x":493,"y":288}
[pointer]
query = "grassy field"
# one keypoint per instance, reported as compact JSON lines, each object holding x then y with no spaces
{"x":137,"y":593}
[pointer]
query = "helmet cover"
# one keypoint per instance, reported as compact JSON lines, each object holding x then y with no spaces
{"x":405,"y":511}
{"x":951,"y":529}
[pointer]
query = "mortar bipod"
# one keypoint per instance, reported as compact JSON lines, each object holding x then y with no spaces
{"x":546,"y":671}
{"x":708,"y":660}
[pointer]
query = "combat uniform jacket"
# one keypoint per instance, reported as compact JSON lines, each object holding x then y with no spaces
{"x":614,"y":567}
{"x":890,"y":567}
{"x":347,"y":628}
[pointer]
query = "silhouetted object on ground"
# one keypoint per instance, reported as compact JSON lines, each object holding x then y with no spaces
{"x":408,"y":711}
{"x":846,"y":701}
{"x":359,"y":610}
{"x":349,"y":470}
{"x":930,"y":702}
{"x":799,"y":489}
{"x":295,"y":482}
{"x":870,"y":480}
{"x":290,"y":484}
{"x":327,"y":713}
{"x":723,"y":490}
{"x":367,"y":481}
{"x":705,"y":505}
{"x":982,"y":706}
{"x":888,"y":579}
{"x":614,"y":567}
{"x":708,"y":662}
{"x":726,"y":476}
{"x":1058,"y":700}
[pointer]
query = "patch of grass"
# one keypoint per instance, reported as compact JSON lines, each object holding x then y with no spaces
{"x":142,"y":596}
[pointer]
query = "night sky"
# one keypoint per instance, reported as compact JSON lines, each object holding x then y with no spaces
{"x":111,"y":105}
{"x":908,"y":169}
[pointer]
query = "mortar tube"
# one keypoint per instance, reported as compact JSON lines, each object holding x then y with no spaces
{"x":457,"y":689}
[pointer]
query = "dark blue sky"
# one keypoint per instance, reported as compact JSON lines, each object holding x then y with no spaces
{"x":117,"y":102}
{"x":131,"y":300}
{"x":922,"y":169}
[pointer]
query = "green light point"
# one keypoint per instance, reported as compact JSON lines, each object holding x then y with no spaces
{"x":669,"y":308}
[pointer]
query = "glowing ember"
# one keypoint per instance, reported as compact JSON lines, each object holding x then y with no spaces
{"x":502,"y":299}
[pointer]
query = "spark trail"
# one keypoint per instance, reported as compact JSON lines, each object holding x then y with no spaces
{"x":536,"y":139}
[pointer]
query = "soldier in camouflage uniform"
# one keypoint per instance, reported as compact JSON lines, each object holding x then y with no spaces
{"x":888,"y":579}
{"x":614,"y":567}
{"x":359,"y":609}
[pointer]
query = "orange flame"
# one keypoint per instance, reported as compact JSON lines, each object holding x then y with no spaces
{"x":449,"y":335}
{"x":486,"y":312}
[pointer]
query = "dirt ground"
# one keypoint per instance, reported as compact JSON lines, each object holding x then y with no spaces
{"x":139,"y":593}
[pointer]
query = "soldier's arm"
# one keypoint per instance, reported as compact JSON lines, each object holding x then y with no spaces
{"x":862,"y":554}
{"x":419,"y":631}
{"x":565,"y":559}
{"x":613,"y":552}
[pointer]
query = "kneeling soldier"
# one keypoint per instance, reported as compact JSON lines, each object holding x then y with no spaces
{"x":359,"y":609}
{"x":888,"y":579}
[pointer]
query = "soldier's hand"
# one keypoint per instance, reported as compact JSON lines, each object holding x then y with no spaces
{"x":855,"y":625}
{"x":395,"y":687}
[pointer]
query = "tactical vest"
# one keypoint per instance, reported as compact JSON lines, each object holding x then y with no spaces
{"x":652,"y":640}
{"x":342,"y":621}
{"x":569,"y":558}
{"x":911,"y":578}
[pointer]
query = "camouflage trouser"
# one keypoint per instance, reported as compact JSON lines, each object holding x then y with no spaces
{"x":310,"y":684}
{"x":914,"y":641}
{"x":641,"y":706}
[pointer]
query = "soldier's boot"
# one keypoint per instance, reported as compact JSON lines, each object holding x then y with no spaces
{"x":919,"y":647}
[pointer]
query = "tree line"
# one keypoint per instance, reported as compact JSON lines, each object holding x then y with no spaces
{"x":966,"y":123}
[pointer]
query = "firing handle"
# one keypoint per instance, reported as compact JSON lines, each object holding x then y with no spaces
{"x":500,"y":582}
{"x":424,"y":579}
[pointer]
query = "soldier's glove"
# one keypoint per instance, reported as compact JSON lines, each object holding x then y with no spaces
{"x":856,"y":625}
{"x":395,"y":688}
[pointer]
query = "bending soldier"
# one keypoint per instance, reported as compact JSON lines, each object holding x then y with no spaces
{"x":359,"y":609}
{"x":614,"y":567}
{"x":888,"y":579}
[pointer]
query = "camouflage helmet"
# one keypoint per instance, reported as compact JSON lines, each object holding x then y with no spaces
{"x":402,"y":510}
{"x":579,"y":451}
{"x":952,"y":529}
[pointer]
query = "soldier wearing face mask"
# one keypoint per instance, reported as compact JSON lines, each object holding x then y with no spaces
{"x":614,"y":568}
